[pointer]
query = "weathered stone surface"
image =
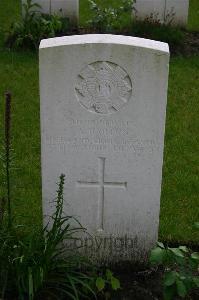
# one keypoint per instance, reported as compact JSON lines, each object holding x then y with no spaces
{"x":66,"y":8}
{"x":166,"y":11}
{"x":103,"y":104}
{"x":180,"y":8}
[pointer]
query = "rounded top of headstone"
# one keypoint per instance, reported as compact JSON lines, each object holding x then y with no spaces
{"x":105,"y":39}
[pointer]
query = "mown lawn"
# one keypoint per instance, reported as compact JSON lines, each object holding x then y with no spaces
{"x":180,"y":189}
{"x":193,"y":21}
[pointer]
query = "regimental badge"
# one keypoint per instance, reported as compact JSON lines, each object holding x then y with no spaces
{"x":103,"y":87}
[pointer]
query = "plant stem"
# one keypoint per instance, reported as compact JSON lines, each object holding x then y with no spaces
{"x":7,"y":149}
{"x":50,"y":8}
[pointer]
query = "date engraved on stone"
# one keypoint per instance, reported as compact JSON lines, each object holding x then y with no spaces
{"x":103,"y":87}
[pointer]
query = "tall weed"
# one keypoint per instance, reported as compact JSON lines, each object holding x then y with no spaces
{"x":39,"y":265}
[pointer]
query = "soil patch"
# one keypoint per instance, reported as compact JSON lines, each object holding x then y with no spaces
{"x":143,"y":285}
{"x":190,"y":45}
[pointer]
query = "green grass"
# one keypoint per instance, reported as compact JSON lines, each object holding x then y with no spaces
{"x":19,"y":74}
{"x":180,"y":189}
{"x":180,"y":192}
{"x":193,"y":20}
{"x":9,"y":12}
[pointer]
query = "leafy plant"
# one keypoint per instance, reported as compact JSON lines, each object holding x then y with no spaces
{"x":107,"y":19}
{"x":40,"y":264}
{"x":107,"y":282}
{"x":181,"y":269}
{"x":30,"y":9}
{"x":153,"y":29}
{"x":154,"y":18}
{"x":34,"y":27}
{"x":169,"y":16}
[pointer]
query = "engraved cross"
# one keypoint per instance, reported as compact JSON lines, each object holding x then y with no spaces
{"x":101,"y":184}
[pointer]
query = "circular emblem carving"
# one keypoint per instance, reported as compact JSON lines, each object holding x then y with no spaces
{"x":103,"y":87}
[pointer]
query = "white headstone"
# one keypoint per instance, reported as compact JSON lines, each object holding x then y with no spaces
{"x":165,"y":11}
{"x":180,"y":8}
{"x":65,"y":8}
{"x":103,"y":105}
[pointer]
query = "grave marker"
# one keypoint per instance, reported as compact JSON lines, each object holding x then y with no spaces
{"x":166,"y":11}
{"x":103,"y":104}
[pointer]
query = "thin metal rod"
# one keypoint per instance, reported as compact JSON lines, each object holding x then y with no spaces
{"x":7,"y":149}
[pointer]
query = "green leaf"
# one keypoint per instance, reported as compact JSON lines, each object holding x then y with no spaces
{"x":115,"y":283}
{"x":195,"y":255}
{"x":184,"y":249}
{"x":181,"y":288}
{"x":177,"y":252}
{"x":157,"y":256}
{"x":196,"y":225}
{"x":169,"y":292}
{"x":109,"y":274}
{"x":100,"y":283}
{"x":196,"y":281}
{"x":161,"y":245}
{"x":170,"y":278}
